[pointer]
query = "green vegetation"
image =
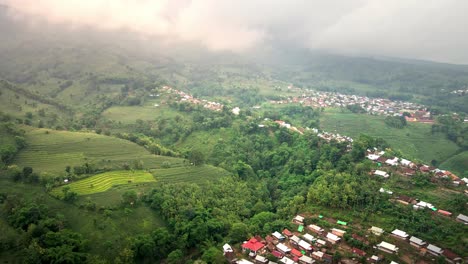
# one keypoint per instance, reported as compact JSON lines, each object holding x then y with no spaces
{"x":51,"y":151}
{"x":414,"y":141}
{"x":155,"y":179}
{"x":189,"y":174}
{"x":457,"y":164}
{"x":104,"y":181}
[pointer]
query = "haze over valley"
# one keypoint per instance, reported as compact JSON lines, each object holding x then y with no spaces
{"x":233,"y":131}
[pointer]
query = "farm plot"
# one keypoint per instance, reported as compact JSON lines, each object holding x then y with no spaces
{"x":51,"y":151}
{"x":189,"y":174}
{"x":104,"y":181}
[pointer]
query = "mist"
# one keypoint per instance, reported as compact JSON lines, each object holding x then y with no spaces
{"x":418,"y":29}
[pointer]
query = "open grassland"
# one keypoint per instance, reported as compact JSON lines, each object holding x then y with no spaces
{"x":51,"y":151}
{"x":415,"y":140}
{"x":129,"y":114}
{"x":457,"y":164}
{"x":189,"y":174}
{"x":104,"y":181}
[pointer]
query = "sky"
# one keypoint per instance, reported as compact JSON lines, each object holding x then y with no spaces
{"x":434,"y":30}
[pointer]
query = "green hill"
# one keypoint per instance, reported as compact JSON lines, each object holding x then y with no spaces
{"x":51,"y":151}
{"x":415,"y":140}
{"x":457,"y":164}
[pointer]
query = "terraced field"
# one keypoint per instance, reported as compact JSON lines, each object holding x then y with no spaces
{"x":104,"y":181}
{"x":189,"y":174}
{"x":51,"y":151}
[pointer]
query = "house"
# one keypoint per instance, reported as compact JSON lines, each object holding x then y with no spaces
{"x":444,"y":213}
{"x":358,"y":252}
{"x":424,"y":169}
{"x":393,"y":262}
{"x":434,"y":250}
{"x":343,"y":223}
{"x":253,"y":245}
{"x":294,"y":240}
{"x":451,"y":257}
{"x":227,"y":248}
{"x":382,"y":190}
{"x":315,"y":228}
{"x":277,"y":254}
{"x":462,"y":219}
{"x":407,"y":171}
{"x":381,"y":173}
{"x":405,"y":162}
{"x":404,"y":199}
{"x":338,"y":232}
{"x":387,"y":247}
{"x":296,"y":253}
{"x":309,"y":237}
{"x":423,"y":204}
{"x":287,"y":260}
{"x":318,"y":255}
{"x":283,"y":248}
{"x":416,"y":242}
{"x":298,"y":220}
{"x":269,"y":239}
{"x":376,"y":230}
{"x":333,"y":238}
{"x":374,"y":259}
{"x":287,"y":233}
{"x":260,"y":260}
{"x":373,"y":157}
{"x":306,"y":260}
{"x":392,"y":162}
{"x":278,"y":236}
{"x":305,"y":246}
{"x":320,"y":243}
{"x":400,"y":234}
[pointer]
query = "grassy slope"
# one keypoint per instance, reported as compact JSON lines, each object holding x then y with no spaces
{"x":190,"y":174}
{"x":94,"y":226}
{"x":52,"y":152}
{"x":457,"y":164}
{"x":415,"y":140}
{"x":104,"y":181}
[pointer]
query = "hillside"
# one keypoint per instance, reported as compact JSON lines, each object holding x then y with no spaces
{"x":415,"y":141}
{"x":51,"y":151}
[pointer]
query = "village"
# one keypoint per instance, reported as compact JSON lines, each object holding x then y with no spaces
{"x":373,"y":106}
{"x":310,"y":243}
{"x":186,"y":97}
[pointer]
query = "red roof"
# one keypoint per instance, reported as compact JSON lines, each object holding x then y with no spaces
{"x":450,"y":254}
{"x":359,"y":252}
{"x":253,"y":245}
{"x":296,"y":259}
{"x":443,"y":212}
{"x":296,"y":252}
{"x":358,"y":237}
{"x":286,"y":232}
{"x":277,"y":254}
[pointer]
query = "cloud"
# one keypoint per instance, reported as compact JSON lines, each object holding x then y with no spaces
{"x":423,"y":29}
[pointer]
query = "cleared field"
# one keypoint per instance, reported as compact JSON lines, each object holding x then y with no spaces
{"x":189,"y":174}
{"x":104,"y":181}
{"x":414,"y":140}
{"x":51,"y":151}
{"x":457,"y":164}
{"x":129,"y":114}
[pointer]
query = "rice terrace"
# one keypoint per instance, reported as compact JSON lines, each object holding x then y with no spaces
{"x":104,"y":181}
